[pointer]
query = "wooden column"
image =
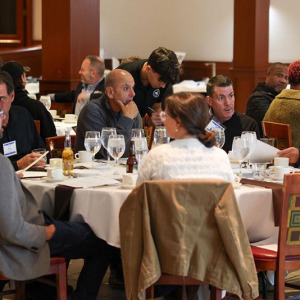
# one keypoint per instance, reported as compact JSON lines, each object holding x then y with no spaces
{"x":251,"y":47}
{"x":70,"y":31}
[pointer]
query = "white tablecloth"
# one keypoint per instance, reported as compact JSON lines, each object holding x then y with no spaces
{"x":99,"y":207}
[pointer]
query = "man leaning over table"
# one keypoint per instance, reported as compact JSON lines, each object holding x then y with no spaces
{"x":114,"y":109}
{"x":29,"y":237}
{"x":220,"y":97}
{"x":20,"y":136}
{"x":90,"y":87}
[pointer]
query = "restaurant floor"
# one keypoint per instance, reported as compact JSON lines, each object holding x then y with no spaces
{"x":107,"y":293}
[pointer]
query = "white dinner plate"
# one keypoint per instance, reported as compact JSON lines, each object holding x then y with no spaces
{"x":54,"y":179}
{"x":85,"y":172}
{"x":127,"y":186}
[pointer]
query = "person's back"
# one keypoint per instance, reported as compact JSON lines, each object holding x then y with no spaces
{"x":263,"y":95}
{"x":285,"y":108}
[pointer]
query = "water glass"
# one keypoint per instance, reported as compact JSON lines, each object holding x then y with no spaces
{"x":137,"y":132}
{"x":160,"y":136}
{"x":92,"y":142}
{"x":240,"y":150}
{"x":259,"y":171}
{"x":105,"y":133}
{"x":46,"y":100}
{"x":252,"y":140}
{"x":220,"y":137}
{"x":116,"y":147}
{"x":141,"y":148}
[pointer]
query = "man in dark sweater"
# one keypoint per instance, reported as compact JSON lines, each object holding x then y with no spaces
{"x":265,"y":92}
{"x":220,"y":97}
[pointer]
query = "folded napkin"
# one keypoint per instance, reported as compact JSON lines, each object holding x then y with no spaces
{"x":276,"y":193}
{"x":63,"y":196}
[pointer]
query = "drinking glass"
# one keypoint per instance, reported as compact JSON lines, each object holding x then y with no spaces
{"x":92,"y":142}
{"x":160,"y":136}
{"x":46,"y":100}
{"x":220,"y":137}
{"x":137,"y":132}
{"x":240,"y":149}
{"x":116,"y":147}
{"x":141,"y":148}
{"x":105,"y":133}
{"x":252,"y":140}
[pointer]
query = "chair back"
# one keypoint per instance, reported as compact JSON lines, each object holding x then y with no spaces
{"x":280,"y":132}
{"x":289,"y":230}
{"x":183,"y":228}
{"x":55,"y":145}
{"x":38,"y":125}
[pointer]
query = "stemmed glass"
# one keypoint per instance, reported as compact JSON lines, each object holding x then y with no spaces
{"x":116,"y":147}
{"x":105,"y":133}
{"x":160,"y":136}
{"x":220,"y":137}
{"x":137,"y":132}
{"x":252,"y":139}
{"x":92,"y":142}
{"x":141,"y":148}
{"x":240,"y":149}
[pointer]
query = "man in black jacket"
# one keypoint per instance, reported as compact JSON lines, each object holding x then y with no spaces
{"x":90,"y":87}
{"x":37,"y":109}
{"x":265,"y":92}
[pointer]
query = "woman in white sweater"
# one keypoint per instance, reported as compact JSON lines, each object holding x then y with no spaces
{"x":192,"y":154}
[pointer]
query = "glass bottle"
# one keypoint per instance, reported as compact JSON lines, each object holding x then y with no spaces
{"x":132,"y":163}
{"x":68,"y":155}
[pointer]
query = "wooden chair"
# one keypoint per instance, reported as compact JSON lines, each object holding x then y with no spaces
{"x":57,"y":267}
{"x":38,"y":125}
{"x":165,"y":242}
{"x":280,"y":132}
{"x":287,"y":256}
{"x":55,"y":145}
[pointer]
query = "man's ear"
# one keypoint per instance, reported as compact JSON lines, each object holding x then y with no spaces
{"x":12,"y":96}
{"x":209,"y":100}
{"x":109,"y":92}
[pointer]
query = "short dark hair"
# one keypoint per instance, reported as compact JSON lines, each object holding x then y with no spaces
{"x":274,"y":65}
{"x":193,"y":112}
{"x":218,"y":80}
{"x":164,"y":62}
{"x":97,"y":63}
{"x":6,"y":78}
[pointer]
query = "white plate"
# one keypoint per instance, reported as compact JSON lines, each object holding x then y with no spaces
{"x":236,"y":185}
{"x":272,"y":177}
{"x":127,"y":186}
{"x":85,"y":172}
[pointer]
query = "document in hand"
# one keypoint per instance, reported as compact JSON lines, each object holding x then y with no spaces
{"x":263,"y":153}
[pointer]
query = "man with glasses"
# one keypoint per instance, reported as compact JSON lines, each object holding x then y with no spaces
{"x":90,"y":87}
{"x":153,"y":79}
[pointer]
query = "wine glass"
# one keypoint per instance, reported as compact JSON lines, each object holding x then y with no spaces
{"x":116,"y":147}
{"x":105,"y":133}
{"x":220,"y":137}
{"x":137,"y":132}
{"x":240,"y":149}
{"x":46,"y":100}
{"x":92,"y":142}
{"x":160,"y":136}
{"x":141,"y":148}
{"x":252,"y":139}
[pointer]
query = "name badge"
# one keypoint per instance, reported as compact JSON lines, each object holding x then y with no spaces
{"x":10,"y":148}
{"x":213,"y":124}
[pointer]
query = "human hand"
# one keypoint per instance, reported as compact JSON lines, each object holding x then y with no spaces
{"x":30,"y":158}
{"x":130,"y":110}
{"x":81,"y":97}
{"x":50,"y":231}
{"x":19,"y":174}
{"x":291,"y":153}
{"x":156,"y":119}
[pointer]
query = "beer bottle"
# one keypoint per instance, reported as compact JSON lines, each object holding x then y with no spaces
{"x":67,"y":155}
{"x":132,"y":163}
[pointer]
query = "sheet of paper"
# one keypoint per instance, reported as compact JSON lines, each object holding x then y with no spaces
{"x":31,"y":174}
{"x":263,"y":153}
{"x":88,"y":182}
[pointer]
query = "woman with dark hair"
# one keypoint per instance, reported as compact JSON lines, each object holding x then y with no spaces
{"x":192,"y":154}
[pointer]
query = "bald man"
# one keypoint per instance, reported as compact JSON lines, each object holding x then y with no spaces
{"x":114,"y":109}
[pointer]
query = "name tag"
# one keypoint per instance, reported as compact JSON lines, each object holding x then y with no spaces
{"x":213,"y":124}
{"x":10,"y":148}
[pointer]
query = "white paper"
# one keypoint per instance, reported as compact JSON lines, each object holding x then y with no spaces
{"x":88,"y":182}
{"x":34,"y":174}
{"x":263,"y":153}
{"x":190,"y":86}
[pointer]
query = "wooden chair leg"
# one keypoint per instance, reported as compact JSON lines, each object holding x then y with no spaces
{"x":150,"y":293}
{"x":20,"y":290}
{"x":215,"y":293}
{"x":61,"y":282}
